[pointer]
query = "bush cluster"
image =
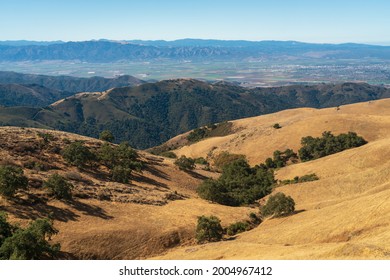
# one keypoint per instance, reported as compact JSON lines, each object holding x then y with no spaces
{"x":302,"y":179}
{"x":213,"y":130}
{"x":280,"y":159}
{"x":30,"y":243}
{"x":121,"y":160}
{"x":78,"y":154}
{"x":313,"y":148}
{"x":239,"y":184}
{"x":185,"y":163}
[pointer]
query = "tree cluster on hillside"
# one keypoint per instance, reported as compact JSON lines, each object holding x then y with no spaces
{"x":239,"y":184}
{"x":220,"y":129}
{"x":280,"y":159}
{"x":301,"y":179}
{"x":313,"y":148}
{"x":120,"y":159}
{"x":30,"y":243}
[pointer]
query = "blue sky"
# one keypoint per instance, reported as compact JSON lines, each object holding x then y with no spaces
{"x":302,"y":20}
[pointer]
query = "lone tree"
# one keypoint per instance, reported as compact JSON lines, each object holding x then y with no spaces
{"x":59,"y":187}
{"x":209,"y":229}
{"x":185,"y":163}
{"x":278,"y":205}
{"x":106,"y":135}
{"x":11,"y":180}
{"x":77,"y":154}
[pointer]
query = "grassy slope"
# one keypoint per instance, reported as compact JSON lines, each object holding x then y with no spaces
{"x":344,"y":215}
{"x":140,"y":220}
{"x":257,"y":139}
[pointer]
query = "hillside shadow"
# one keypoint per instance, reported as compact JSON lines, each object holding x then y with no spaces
{"x":158,"y":173}
{"x":196,"y":175}
{"x":34,"y":210}
{"x":90,"y":210}
{"x":150,"y":181}
{"x":35,"y":207}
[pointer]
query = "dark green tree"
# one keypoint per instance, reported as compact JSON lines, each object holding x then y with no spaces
{"x":78,"y":154}
{"x":278,"y":205}
{"x":31,"y":243}
{"x":185,"y":163}
{"x":106,"y":135}
{"x":239,"y":184}
{"x":11,"y":180}
{"x":208,"y":229}
{"x":121,"y":174}
{"x":58,"y":187}
{"x":6,"y":228}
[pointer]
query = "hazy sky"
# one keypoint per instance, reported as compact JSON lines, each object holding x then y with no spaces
{"x":330,"y":21}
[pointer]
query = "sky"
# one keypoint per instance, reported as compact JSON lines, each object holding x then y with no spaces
{"x":324,"y":21}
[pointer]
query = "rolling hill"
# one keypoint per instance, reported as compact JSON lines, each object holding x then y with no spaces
{"x":106,"y":219}
{"x":150,"y":114}
{"x":343,"y":215}
{"x":67,"y":84}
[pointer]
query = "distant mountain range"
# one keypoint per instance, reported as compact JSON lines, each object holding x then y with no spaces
{"x":18,"y":89}
{"x":194,"y":49}
{"x":151,"y":113}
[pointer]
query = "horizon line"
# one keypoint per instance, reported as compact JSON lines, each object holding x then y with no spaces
{"x":375,"y":43}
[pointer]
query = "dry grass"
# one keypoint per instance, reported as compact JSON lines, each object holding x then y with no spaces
{"x":156,"y":211}
{"x":344,"y":215}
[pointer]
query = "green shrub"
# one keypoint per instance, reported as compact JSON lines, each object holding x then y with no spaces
{"x":58,"y":187}
{"x":121,"y":155}
{"x":238,"y":227}
{"x":201,"y":160}
{"x":278,"y":205}
{"x":304,"y":178}
{"x":77,"y":154}
{"x":276,"y":126}
{"x":239,"y":184}
{"x":254,"y":219}
{"x":106,"y":135}
{"x":185,"y":163}
{"x":280,"y":159}
{"x":121,"y":174}
{"x":327,"y":144}
{"x":46,"y":137}
{"x":11,"y":180}
{"x":6,"y":228}
{"x":213,"y":130}
{"x":30,"y":243}
{"x":197,"y":134}
{"x":209,"y":229}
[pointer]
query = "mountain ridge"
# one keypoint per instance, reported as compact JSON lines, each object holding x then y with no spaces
{"x":110,"y":51}
{"x":152,"y":113}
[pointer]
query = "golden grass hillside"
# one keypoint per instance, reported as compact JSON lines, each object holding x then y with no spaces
{"x":157,"y":210}
{"x":343,"y":215}
{"x":257,"y":139}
